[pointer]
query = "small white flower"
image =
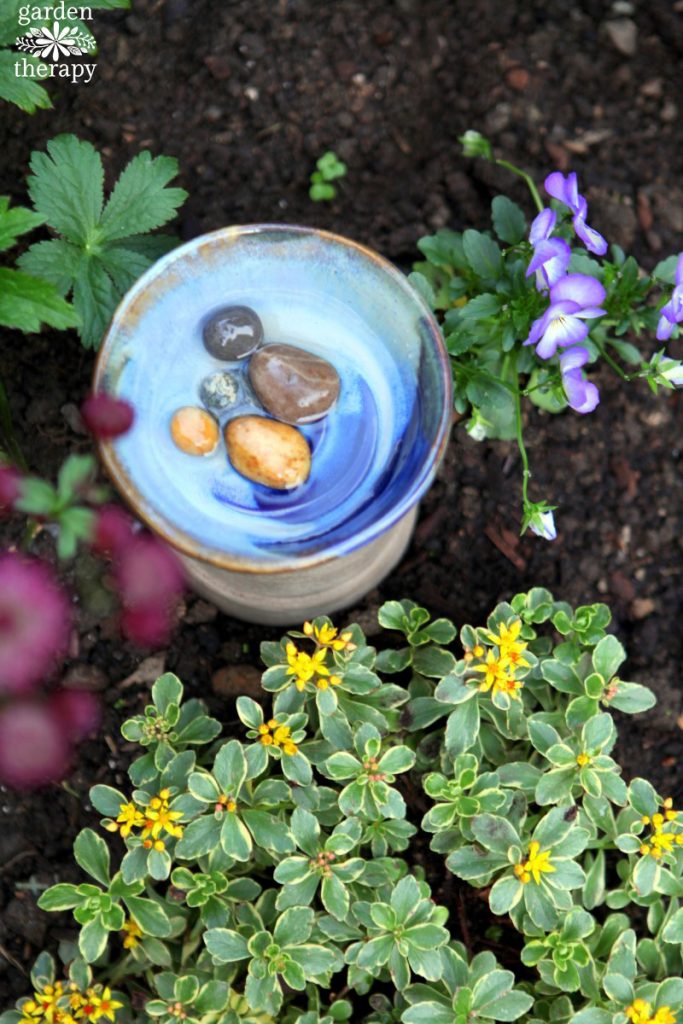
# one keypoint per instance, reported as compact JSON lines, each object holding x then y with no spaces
{"x":543,"y":525}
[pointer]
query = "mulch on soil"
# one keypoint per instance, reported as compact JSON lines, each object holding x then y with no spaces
{"x":247,"y":96}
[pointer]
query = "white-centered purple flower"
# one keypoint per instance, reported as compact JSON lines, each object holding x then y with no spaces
{"x":574,"y":299}
{"x":566,"y":190}
{"x":672,"y":313}
{"x":582,"y":395}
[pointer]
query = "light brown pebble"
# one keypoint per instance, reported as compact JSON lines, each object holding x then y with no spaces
{"x":267,"y":452}
{"x":194,"y":431}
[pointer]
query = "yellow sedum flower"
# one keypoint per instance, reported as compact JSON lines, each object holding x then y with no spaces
{"x":497,"y":677}
{"x":133,"y":934}
{"x":536,"y":864}
{"x":664,"y":1016}
{"x":639,"y":1012}
{"x":661,"y":839}
{"x":305,"y":667}
{"x":328,"y":636}
{"x":276,"y":734}
{"x":511,"y":649}
{"x":158,"y":818}
{"x":129,"y":817}
{"x":98,"y":1006}
{"x":582,"y":760}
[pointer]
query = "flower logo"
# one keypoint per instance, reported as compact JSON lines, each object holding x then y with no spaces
{"x":57,"y":42}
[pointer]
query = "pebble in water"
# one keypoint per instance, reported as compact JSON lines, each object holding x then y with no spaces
{"x":194,"y":431}
{"x":233,"y":333}
{"x":267,"y":452}
{"x":292,"y":384}
{"x":220,"y":390}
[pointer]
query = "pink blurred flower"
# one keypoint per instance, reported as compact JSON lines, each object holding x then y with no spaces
{"x":33,"y":745}
{"x":113,"y":531}
{"x":9,"y":487}
{"x":150,"y":580}
{"x":106,"y":416}
{"x":34,"y":622}
{"x":77,"y":711}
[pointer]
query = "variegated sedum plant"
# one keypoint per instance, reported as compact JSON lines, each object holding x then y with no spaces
{"x":294,"y":872}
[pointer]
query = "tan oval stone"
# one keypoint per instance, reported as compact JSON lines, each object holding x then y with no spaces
{"x":267,"y":452}
{"x":194,"y":431}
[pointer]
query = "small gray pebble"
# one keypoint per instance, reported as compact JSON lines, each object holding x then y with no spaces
{"x":220,"y":390}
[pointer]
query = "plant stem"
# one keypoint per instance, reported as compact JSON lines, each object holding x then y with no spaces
{"x":612,"y":362}
{"x":526,"y":472}
{"x":526,"y":177}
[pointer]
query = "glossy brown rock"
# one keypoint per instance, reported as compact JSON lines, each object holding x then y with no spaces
{"x":267,"y":452}
{"x":292,"y":384}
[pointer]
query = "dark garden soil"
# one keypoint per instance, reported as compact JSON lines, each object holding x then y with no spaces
{"x":247,"y":95}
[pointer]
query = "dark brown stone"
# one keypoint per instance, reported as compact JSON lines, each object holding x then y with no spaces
{"x":233,"y":333}
{"x":292,"y":384}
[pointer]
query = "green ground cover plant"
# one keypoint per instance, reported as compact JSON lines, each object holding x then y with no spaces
{"x":287,"y":873}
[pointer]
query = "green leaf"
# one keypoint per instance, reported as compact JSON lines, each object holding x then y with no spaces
{"x":509,"y":222}
{"x":92,"y":854}
{"x":95,"y":299}
{"x":494,"y":833}
{"x":315,"y":960}
{"x":294,"y":926}
{"x":646,"y":875}
{"x":60,"y":897}
{"x":226,"y":946}
{"x":493,"y":997}
{"x":66,"y":187}
{"x":505,"y":894}
{"x":140,"y":201}
{"x":14,"y":222}
{"x":618,"y":988}
{"x":335,"y":897}
{"x":92,"y":940}
{"x":482,"y":254}
{"x":27,"y":303}
{"x":433,"y":662}
{"x":235,"y":837}
{"x":230,"y":767}
{"x":480,"y":307}
{"x":150,"y":915}
{"x":632,"y":698}
{"x":306,"y":831}
{"x":200,"y":837}
{"x":25,"y":93}
{"x":673,"y":930}
{"x":397,"y":760}
{"x":167,"y":690}
{"x":608,"y":656}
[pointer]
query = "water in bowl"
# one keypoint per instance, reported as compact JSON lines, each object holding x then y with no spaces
{"x":355,"y":451}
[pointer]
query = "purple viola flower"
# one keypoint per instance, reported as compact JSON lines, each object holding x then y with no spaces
{"x":672,"y":313}
{"x":551,"y":256}
{"x":574,"y":299}
{"x":591,"y":238}
{"x":542,"y":226}
{"x":566,"y":190}
{"x":582,"y":395}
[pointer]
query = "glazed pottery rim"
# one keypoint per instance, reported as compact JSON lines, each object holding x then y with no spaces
{"x":218,"y":557}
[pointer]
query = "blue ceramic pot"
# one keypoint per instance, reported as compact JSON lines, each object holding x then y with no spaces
{"x":261,"y":554}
